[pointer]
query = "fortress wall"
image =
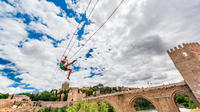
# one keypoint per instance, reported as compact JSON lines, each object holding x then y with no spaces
{"x":53,"y":104}
{"x":6,"y":103}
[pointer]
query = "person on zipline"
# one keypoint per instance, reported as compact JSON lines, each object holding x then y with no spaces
{"x":64,"y":66}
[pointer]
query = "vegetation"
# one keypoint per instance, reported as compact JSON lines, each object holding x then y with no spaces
{"x":4,"y":96}
{"x":83,"y":106}
{"x":100,"y":87}
{"x":49,"y":109}
{"x":143,"y":104}
{"x":54,"y":95}
{"x":185,"y":101}
{"x":25,"y":100}
{"x":48,"y":96}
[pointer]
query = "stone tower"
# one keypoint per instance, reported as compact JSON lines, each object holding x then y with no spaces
{"x":186,"y":58}
{"x":65,"y":85}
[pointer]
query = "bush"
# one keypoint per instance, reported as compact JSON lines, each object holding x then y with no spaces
{"x":143,"y":104}
{"x":74,"y":108}
{"x":45,"y":96}
{"x":185,"y":101}
{"x":83,"y":106}
{"x":65,"y":97}
{"x":24,"y":99}
{"x":90,"y":107}
{"x":4,"y":96}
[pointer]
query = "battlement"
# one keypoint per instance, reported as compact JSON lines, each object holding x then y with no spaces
{"x":183,"y":48}
{"x":186,"y":59}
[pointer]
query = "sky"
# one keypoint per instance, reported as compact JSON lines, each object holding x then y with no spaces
{"x":129,"y":50}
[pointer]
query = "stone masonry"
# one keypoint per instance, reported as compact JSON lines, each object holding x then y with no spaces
{"x":6,"y":103}
{"x":162,"y":97}
{"x":186,"y":58}
{"x":75,"y":95}
{"x":21,"y":97}
{"x":65,"y":86}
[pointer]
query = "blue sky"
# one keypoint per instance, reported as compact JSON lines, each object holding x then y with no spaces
{"x":130,"y":50}
{"x":32,"y":34}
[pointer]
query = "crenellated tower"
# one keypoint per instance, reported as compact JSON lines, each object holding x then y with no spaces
{"x":186,"y":58}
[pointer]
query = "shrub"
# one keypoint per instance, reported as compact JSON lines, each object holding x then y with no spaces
{"x":4,"y":96}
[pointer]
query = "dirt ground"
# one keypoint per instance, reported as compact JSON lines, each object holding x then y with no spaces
{"x":5,"y":110}
{"x":195,"y":110}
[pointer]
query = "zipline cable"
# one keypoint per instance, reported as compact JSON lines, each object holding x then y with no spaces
{"x":88,"y":6}
{"x":88,"y":19}
{"x":93,"y":8}
{"x":73,"y":35}
{"x":75,"y":31}
{"x":98,"y":28}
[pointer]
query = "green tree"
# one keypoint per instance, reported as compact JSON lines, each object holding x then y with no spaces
{"x":65,"y":97}
{"x":108,"y":90}
{"x":82,"y":106}
{"x":45,"y":96}
{"x":56,"y":93}
{"x":143,"y":104}
{"x":102,"y":90}
{"x":100,"y":85}
{"x":114,"y":89}
{"x":185,"y":101}
{"x":103,"y":107}
{"x":53,"y":98}
{"x":61,"y":92}
{"x":65,"y":92}
{"x":87,"y":92}
{"x":74,"y":108}
{"x":4,"y":96}
{"x":95,"y":88}
{"x":60,"y":97}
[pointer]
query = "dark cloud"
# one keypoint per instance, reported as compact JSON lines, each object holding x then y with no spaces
{"x":139,"y":77}
{"x":150,"y":45}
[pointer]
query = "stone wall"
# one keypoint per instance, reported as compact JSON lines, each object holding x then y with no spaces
{"x":52,"y":104}
{"x":21,"y":98}
{"x":162,"y":97}
{"x":75,"y":95}
{"x":6,"y":103}
{"x":187,"y":60}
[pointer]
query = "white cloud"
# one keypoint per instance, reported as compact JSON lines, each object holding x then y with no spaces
{"x":4,"y":86}
{"x":12,"y":90}
{"x":138,"y":35}
{"x":5,"y":9}
{"x":47,"y":13}
{"x":35,"y":58}
{"x":137,"y":53}
{"x":12,"y":28}
{"x":5,"y":82}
